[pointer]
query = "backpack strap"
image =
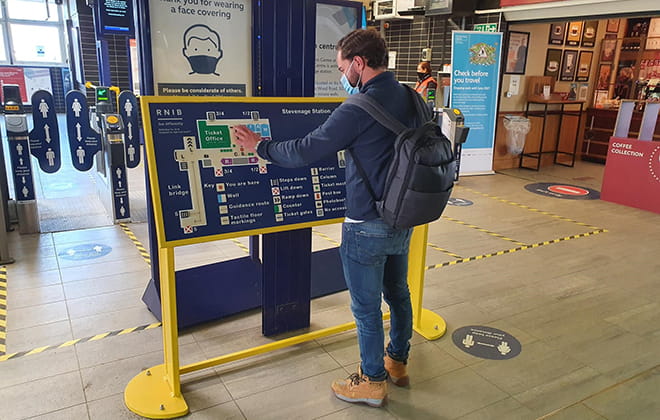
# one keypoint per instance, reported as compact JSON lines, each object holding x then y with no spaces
{"x":377,"y":112}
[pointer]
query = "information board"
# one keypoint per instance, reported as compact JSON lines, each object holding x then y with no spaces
{"x":474,"y":90}
{"x":205,"y":187}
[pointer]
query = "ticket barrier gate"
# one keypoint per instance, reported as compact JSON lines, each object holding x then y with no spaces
{"x":19,"y":152}
{"x":453,"y":127}
{"x":111,"y":162}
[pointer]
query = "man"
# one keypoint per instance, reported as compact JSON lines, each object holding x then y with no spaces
{"x":424,"y":79}
{"x":374,"y":255}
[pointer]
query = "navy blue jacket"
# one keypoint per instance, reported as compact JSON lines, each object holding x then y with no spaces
{"x":350,"y":127}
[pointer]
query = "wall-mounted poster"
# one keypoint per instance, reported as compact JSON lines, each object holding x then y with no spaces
{"x":516,"y":56}
{"x":568,"y":66}
{"x":557,"y":32}
{"x":607,"y":49}
{"x":584,"y":66}
{"x":332,"y":23}
{"x":604,"y":74}
{"x":574,"y":34}
{"x":612,"y":25}
{"x":583,"y":92}
{"x":589,"y":33}
{"x":600,"y":96}
{"x":203,"y":49}
{"x":552,"y":62}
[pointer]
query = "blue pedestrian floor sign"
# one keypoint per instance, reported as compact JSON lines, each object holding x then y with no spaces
{"x":128,"y":110}
{"x":84,"y":142}
{"x":120,"y":192}
{"x":45,"y":136}
{"x":19,"y":153}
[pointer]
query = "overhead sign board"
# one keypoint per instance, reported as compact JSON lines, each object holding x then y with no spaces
{"x":115,"y":17}
{"x":206,"y":187}
{"x":485,"y":27}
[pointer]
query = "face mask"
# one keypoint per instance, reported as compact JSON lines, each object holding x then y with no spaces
{"x":203,"y":64}
{"x":350,"y":89}
{"x":421,"y":76}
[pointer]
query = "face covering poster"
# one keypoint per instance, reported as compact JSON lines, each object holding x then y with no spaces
{"x":333,"y":22}
{"x":201,"y":47}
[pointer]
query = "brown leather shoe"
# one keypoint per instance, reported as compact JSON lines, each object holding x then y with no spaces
{"x":397,"y":371}
{"x":359,"y":388}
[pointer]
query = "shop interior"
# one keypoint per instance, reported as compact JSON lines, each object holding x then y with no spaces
{"x":598,"y":63}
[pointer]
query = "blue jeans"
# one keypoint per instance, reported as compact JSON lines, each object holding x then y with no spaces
{"x":375,"y":261}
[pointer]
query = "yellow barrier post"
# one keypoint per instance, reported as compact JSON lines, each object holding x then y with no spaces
{"x":427,"y":323}
{"x":156,"y":392}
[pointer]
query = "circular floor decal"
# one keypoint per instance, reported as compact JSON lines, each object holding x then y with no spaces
{"x":459,"y":202}
{"x":85,"y":252}
{"x":566,"y":191}
{"x":486,"y":342}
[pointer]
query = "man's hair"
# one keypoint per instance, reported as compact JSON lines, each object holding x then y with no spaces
{"x":364,"y":43}
{"x":425,"y":66}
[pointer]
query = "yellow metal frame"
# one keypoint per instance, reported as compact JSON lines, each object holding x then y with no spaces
{"x":156,"y":392}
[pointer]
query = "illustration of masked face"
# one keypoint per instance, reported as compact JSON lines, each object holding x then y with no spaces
{"x":202,"y":49}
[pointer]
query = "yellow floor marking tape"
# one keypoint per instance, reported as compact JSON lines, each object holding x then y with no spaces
{"x":326,"y":237}
{"x":489,"y":232}
{"x":520,"y":248}
{"x":240,"y":245}
{"x":526,"y":207}
{"x":3,"y":310}
{"x":138,"y":244}
{"x":437,"y":248}
{"x":69,"y":343}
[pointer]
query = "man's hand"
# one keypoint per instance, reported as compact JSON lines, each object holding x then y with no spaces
{"x":246,"y":138}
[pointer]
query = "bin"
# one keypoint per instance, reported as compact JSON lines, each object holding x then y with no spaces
{"x":517,"y":128}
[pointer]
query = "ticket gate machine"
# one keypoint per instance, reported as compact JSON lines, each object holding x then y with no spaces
{"x":19,"y":152}
{"x":111,"y":162}
{"x":453,"y":127}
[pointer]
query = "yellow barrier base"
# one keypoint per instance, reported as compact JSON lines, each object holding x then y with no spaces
{"x":149,"y":395}
{"x":431,"y":325}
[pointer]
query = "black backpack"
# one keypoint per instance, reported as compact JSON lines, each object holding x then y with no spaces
{"x":420,"y":176}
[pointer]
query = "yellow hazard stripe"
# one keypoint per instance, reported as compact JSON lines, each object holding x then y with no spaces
{"x":326,"y":237}
{"x":141,"y":249}
{"x":69,"y":343}
{"x":437,"y":248}
{"x":486,"y":231}
{"x":512,"y":250}
{"x":240,"y":245}
{"x":526,"y":207}
{"x":3,"y":310}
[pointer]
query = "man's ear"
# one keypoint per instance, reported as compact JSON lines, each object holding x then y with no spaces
{"x":361,"y":62}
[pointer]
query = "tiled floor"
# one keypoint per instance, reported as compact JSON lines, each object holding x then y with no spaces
{"x":585,"y":310}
